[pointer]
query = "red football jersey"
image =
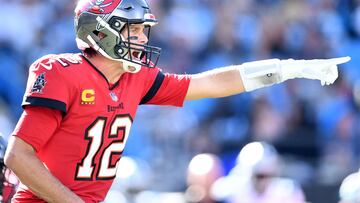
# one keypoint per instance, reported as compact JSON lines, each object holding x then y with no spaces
{"x":84,"y":150}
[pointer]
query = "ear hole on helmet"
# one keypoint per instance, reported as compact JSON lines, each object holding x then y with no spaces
{"x":100,"y":35}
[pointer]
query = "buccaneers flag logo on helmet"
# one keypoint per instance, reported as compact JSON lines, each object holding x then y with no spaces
{"x":97,"y":6}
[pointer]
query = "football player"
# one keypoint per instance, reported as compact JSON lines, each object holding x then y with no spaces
{"x":79,"y":108}
{"x":257,"y":177}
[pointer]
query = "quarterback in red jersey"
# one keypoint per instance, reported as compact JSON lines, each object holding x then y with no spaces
{"x":79,"y":108}
{"x":90,"y":133}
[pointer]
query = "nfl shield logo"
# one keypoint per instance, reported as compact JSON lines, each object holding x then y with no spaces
{"x":114,"y":97}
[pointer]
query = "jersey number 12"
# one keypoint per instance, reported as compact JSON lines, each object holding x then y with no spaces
{"x":95,"y":135}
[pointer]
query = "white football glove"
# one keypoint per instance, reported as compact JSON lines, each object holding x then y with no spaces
{"x":264,"y":73}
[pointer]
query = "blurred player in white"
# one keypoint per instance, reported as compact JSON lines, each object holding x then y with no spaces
{"x":203,"y":171}
{"x":256,"y":179}
{"x":350,"y":189}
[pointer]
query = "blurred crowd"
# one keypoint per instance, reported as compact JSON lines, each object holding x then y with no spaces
{"x":315,"y":129}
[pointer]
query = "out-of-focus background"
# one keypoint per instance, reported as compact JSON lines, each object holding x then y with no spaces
{"x":314,"y":130}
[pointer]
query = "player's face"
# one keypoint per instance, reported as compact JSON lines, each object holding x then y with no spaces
{"x":135,"y":33}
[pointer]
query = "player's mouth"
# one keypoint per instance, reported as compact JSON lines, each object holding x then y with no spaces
{"x":136,"y":54}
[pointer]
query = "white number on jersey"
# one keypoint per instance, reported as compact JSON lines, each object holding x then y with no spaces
{"x":95,"y":135}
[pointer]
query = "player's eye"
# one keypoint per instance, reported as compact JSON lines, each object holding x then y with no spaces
{"x":134,"y":30}
{"x":133,"y":38}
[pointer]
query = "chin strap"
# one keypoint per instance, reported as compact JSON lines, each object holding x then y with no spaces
{"x":131,"y":67}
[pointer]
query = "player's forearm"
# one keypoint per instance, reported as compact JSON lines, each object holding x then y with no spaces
{"x":220,"y":82}
{"x":259,"y":74}
{"x":250,"y":76}
{"x":31,"y":171}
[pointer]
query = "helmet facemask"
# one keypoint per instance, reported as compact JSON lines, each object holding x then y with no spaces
{"x":141,"y":54}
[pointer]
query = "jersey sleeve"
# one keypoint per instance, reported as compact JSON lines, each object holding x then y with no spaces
{"x":36,"y":125}
{"x":47,"y":86}
{"x":166,"y":89}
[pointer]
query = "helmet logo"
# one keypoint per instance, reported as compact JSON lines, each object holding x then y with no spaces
{"x":97,"y":6}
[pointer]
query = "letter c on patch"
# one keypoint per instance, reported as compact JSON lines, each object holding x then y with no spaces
{"x":88,"y":95}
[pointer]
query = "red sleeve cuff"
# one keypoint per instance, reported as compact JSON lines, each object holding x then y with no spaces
{"x":37,"y":125}
{"x":26,"y":139}
{"x":172,"y":91}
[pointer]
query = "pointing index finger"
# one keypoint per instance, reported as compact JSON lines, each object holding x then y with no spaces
{"x":339,"y":60}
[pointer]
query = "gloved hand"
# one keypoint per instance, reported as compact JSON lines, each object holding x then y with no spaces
{"x":325,"y":70}
{"x":264,"y":73}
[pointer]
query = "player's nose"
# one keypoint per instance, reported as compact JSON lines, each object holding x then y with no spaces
{"x":143,"y":39}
